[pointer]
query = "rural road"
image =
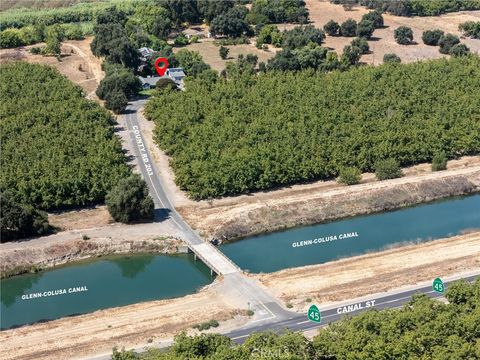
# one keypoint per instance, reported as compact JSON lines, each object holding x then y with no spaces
{"x":335,"y":313}
{"x":269,"y":314}
{"x":247,"y":291}
{"x":330,"y":314}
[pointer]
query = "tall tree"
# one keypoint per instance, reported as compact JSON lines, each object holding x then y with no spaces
{"x":129,"y":201}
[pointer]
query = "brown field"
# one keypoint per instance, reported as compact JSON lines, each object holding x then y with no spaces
{"x":382,"y":43}
{"x":322,"y":11}
{"x":209,"y":52}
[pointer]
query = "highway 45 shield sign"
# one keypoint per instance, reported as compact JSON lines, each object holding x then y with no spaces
{"x":314,"y":314}
{"x":438,"y":285}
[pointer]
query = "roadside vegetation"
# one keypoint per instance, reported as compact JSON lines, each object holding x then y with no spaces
{"x":278,"y":128}
{"x":58,"y":149}
{"x":129,"y":200}
{"x":413,"y":7}
{"x":424,"y":328}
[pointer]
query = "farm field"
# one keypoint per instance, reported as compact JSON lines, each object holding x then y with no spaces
{"x":323,"y":11}
{"x":314,"y":136}
{"x":209,"y":52}
{"x":36,"y":128}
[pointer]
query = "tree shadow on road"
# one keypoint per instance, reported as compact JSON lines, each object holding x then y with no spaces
{"x":160,"y":215}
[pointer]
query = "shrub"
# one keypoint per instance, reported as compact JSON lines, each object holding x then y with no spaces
{"x":439,"y":161}
{"x":446,"y":43}
{"x":349,"y":176}
{"x":331,"y":28}
{"x":348,"y":28}
{"x":362,"y":44}
{"x":375,"y":17}
{"x":116,"y":101}
{"x":403,"y":35}
{"x":181,"y":40}
{"x":250,"y":312}
{"x":19,"y":220}
{"x":459,"y":50}
{"x":36,"y":50}
{"x":431,"y":37}
{"x":351,"y":55}
{"x":129,"y":201}
{"x":194,"y":39}
{"x":387,"y":169}
{"x":470,"y":28}
{"x":391,"y":59}
{"x":365,"y":29}
{"x":223,"y":52}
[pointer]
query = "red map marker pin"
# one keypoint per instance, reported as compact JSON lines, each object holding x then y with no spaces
{"x":161,"y":69}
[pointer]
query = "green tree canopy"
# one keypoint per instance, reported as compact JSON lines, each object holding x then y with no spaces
{"x":403,"y":35}
{"x":278,"y":128}
{"x":129,"y":200}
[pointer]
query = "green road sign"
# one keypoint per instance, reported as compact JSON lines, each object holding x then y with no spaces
{"x":438,"y":285}
{"x":314,"y":314}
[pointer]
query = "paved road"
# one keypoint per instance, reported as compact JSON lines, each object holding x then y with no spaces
{"x":269,"y":315}
{"x":332,"y":314}
{"x":299,"y":322}
{"x":236,"y":283}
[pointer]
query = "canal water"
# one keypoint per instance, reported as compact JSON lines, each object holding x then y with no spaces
{"x":354,"y":236}
{"x":100,"y":284}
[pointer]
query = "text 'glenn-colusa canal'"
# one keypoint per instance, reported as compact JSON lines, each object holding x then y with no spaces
{"x":42,"y":294}
{"x":324,"y":239}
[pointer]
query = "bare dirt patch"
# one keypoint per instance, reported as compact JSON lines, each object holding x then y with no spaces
{"x":322,"y":11}
{"x":210,"y":55}
{"x":81,"y":219}
{"x":77,"y":63}
{"x":377,"y":272}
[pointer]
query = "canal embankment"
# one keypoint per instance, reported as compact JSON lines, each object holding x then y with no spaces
{"x":387,"y":270}
{"x":264,"y":212}
{"x":31,"y":256}
{"x":347,"y":237}
{"x":141,"y":324}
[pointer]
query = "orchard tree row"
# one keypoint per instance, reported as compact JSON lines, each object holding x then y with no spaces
{"x":278,"y":128}
{"x":422,"y":329}
{"x":59,"y":150}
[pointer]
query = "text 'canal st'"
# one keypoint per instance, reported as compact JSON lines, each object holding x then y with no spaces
{"x":325,"y":239}
{"x":72,"y":290}
{"x":354,"y":307}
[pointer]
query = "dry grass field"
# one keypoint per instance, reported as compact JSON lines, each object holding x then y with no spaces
{"x":383,"y":42}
